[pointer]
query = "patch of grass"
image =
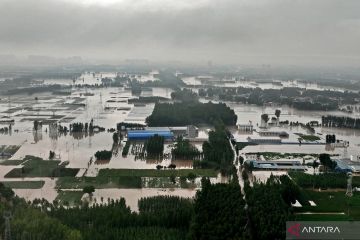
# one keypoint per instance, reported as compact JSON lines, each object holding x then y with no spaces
{"x":157,"y":173}
{"x":331,"y":202}
{"x":12,"y":162}
{"x":310,"y":138}
{"x":159,"y":182}
{"x":165,"y":182}
{"x":65,"y":172}
{"x":69,"y":197}
{"x":24,"y":184}
{"x":325,"y":180}
{"x":36,"y":167}
{"x":99,"y":182}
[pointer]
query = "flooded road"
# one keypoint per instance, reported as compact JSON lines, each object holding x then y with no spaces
{"x":109,"y":106}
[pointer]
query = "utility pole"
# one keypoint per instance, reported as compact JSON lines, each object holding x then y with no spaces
{"x":349,"y":192}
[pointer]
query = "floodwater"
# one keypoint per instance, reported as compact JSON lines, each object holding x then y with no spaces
{"x":109,"y":106}
{"x":252,"y":114}
{"x":275,"y":84}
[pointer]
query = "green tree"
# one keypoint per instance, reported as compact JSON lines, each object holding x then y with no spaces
{"x":219,"y":212}
{"x":217,"y":150}
{"x":115,"y":138}
{"x":315,"y":165}
{"x":155,"y":145}
{"x":327,"y":162}
{"x":89,"y":190}
{"x":277,"y":113}
{"x":265,"y":118}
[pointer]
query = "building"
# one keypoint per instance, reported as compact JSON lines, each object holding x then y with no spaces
{"x":251,"y":157}
{"x":278,"y":165}
{"x":178,"y":131}
{"x":245,"y":127}
{"x":148,"y":133}
{"x":281,"y":134}
{"x":192,"y":131}
{"x":355,"y":168}
{"x":189,"y":131}
{"x":346,"y":165}
{"x":264,"y":140}
{"x":167,"y":132}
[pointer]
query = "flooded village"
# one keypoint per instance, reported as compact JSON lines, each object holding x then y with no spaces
{"x":44,"y":156}
{"x":179,"y":120}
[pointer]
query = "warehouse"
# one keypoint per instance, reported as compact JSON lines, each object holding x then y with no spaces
{"x":146,"y":134}
{"x":264,"y":140}
{"x":278,"y":165}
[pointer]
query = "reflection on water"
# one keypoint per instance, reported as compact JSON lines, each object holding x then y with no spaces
{"x":77,"y":148}
{"x":109,"y":106}
{"x":274,"y":84}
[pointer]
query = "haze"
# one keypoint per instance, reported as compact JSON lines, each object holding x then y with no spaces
{"x":323,"y":32}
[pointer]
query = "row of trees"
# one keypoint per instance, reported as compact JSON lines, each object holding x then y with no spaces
{"x":184,"y":95}
{"x":326,"y":180}
{"x":81,"y":127}
{"x":160,"y":217}
{"x":155,"y":145}
{"x":116,"y":137}
{"x":183,"y":149}
{"x":268,"y":209}
{"x":180,"y":114}
{"x":5,"y":130}
{"x":217,"y":151}
{"x":340,"y":122}
{"x":28,"y":222}
{"x":305,"y":99}
{"x":103,"y":155}
{"x":126,"y":148}
{"x":219,"y":211}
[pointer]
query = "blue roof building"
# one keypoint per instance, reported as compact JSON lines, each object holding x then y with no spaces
{"x":342,"y":166}
{"x":146,"y":134}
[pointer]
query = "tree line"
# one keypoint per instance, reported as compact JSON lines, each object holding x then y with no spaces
{"x":340,"y":122}
{"x":183,"y":149}
{"x":191,"y":113}
{"x":218,"y":211}
{"x":155,"y":145}
{"x":217,"y":151}
{"x":303,"y":99}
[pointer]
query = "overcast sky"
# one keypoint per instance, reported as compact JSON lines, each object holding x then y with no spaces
{"x":224,"y":31}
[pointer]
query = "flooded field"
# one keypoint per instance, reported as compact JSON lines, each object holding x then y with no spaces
{"x":273,"y":84}
{"x":106,"y":107}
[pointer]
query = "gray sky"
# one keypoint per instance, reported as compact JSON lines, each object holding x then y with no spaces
{"x":225,"y":31}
